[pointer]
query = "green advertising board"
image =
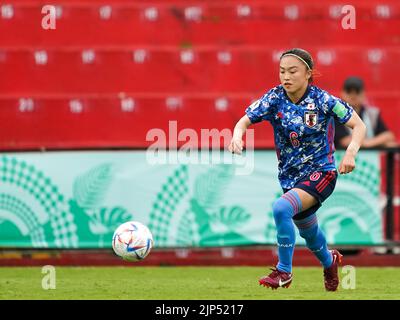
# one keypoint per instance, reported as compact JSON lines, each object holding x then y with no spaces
{"x":77,"y":199}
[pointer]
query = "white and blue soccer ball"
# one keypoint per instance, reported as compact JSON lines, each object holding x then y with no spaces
{"x":132,"y":241}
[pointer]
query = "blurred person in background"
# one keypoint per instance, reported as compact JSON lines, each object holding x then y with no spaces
{"x":378,"y":135}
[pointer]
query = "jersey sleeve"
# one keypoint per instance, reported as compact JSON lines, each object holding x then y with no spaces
{"x":263,"y":108}
{"x":337,"y":108}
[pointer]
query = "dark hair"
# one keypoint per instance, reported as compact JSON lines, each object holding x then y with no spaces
{"x":353,"y":84}
{"x":303,"y":54}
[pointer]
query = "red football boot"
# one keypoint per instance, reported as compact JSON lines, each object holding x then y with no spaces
{"x":331,"y":277}
{"x":276,"y":279}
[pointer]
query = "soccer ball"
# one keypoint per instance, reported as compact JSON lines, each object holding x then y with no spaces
{"x":132,"y":241}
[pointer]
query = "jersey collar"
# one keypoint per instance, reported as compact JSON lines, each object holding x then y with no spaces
{"x":302,"y":98}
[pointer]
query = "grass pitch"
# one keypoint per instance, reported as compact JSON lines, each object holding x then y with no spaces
{"x":170,"y":283}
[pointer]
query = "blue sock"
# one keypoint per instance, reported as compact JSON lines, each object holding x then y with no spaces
{"x":315,"y":239}
{"x":284,"y":209}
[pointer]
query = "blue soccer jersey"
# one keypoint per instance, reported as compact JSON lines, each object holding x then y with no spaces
{"x":303,"y":131}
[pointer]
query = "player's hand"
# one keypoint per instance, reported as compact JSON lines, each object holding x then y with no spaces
{"x":347,"y":164}
{"x":236,"y":146}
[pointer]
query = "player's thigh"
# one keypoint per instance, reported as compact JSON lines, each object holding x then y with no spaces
{"x":307,"y":200}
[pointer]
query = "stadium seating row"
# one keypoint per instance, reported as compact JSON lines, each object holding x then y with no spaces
{"x":124,"y":121}
{"x":206,"y":23}
{"x":243,"y":69}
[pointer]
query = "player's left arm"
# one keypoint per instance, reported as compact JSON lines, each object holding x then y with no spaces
{"x":348,"y":162}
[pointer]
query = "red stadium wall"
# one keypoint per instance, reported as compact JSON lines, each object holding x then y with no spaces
{"x":108,"y":74}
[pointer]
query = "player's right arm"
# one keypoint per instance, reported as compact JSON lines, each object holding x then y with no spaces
{"x":259,"y":110}
{"x":236,"y":145}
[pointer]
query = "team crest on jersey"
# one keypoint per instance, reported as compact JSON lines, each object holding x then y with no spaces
{"x":311,"y":118}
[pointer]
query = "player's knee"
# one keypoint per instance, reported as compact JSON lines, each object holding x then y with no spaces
{"x":282,"y":209}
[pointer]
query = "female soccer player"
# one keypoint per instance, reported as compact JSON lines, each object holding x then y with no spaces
{"x":302,"y":116}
